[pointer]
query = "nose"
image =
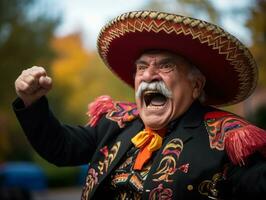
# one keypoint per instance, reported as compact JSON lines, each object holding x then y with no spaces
{"x":151,"y":74}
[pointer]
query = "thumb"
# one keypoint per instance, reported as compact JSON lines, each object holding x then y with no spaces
{"x":45,"y":82}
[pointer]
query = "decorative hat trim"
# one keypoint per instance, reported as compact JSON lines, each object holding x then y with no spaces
{"x":230,"y":68}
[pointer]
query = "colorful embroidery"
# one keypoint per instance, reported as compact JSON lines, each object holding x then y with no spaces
{"x":239,"y":138}
{"x":184,"y":168}
{"x":123,"y":195}
{"x":208,"y":187}
{"x":91,"y":181}
{"x":123,"y":112}
{"x":132,"y":179}
{"x":92,"y":177}
{"x":127,"y":162}
{"x":120,"y":112}
{"x":167,"y":166}
{"x":109,"y":157}
{"x":219,"y":124}
{"x":161,"y":193}
{"x":125,"y":182}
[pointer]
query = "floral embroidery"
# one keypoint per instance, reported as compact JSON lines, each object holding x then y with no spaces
{"x":125,"y":182}
{"x":167,"y":166}
{"x":161,"y":193}
{"x":92,"y":177}
{"x":123,"y":196}
{"x":109,"y":157}
{"x":127,"y":163}
{"x":91,"y":181}
{"x":218,"y":125}
{"x":123,"y":112}
{"x":134,"y":180}
{"x":208,"y":187}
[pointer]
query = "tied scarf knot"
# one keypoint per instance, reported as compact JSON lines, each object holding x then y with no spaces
{"x":147,"y":141}
{"x":144,"y":137}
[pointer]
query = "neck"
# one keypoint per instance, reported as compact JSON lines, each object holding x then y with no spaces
{"x":161,"y":131}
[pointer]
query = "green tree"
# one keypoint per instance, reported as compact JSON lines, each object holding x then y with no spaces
{"x":79,"y":77}
{"x":257,"y":25}
{"x":24,"y":41}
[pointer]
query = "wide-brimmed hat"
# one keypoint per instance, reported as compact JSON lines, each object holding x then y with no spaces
{"x":228,"y":66}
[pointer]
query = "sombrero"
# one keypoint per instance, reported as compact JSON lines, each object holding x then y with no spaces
{"x":229,"y":67}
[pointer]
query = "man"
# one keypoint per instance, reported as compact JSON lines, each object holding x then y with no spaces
{"x":171,"y":144}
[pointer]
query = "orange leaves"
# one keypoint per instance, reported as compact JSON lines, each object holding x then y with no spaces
{"x":72,"y":59}
{"x":80,"y":76}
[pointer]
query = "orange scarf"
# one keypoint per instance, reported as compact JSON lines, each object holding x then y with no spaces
{"x":147,"y":141}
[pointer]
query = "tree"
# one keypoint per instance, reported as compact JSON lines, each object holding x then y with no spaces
{"x":24,"y":41}
{"x":79,"y":77}
{"x":257,"y":25}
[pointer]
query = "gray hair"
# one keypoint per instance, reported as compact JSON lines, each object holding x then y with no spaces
{"x":156,"y":85}
{"x":194,"y":73}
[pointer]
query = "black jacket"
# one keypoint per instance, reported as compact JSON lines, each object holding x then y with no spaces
{"x":189,"y":165}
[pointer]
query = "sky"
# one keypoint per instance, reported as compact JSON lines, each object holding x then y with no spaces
{"x":88,"y":17}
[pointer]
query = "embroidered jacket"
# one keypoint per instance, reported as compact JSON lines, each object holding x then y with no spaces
{"x":208,"y":154}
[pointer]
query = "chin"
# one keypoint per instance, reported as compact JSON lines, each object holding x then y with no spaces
{"x":154,"y":124}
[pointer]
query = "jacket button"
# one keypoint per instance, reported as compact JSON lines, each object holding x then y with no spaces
{"x":190,"y":187}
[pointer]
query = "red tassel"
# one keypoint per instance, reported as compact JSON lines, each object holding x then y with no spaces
{"x":243,"y":142}
{"x":100,"y":106}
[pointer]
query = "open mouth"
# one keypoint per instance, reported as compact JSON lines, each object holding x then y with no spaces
{"x":154,"y":99}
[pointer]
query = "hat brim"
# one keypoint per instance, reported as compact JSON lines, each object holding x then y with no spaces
{"x":229,"y":68}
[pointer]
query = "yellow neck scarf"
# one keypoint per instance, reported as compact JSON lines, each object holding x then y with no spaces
{"x":147,"y":141}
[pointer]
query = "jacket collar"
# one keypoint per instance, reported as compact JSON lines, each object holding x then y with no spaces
{"x":193,"y":117}
{"x":191,"y":120}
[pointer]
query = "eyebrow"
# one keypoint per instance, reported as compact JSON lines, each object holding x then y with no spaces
{"x":167,"y":60}
{"x":141,"y":62}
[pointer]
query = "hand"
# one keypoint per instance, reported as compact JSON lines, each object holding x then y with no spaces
{"x":32,"y":84}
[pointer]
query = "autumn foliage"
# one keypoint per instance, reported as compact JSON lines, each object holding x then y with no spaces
{"x":82,"y":76}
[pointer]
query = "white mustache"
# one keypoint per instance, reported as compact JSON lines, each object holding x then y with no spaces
{"x":157,"y":86}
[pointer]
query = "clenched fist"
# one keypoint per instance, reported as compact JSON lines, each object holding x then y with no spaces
{"x":32,"y":84}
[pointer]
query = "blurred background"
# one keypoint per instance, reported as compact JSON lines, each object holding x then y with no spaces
{"x":61,"y":36}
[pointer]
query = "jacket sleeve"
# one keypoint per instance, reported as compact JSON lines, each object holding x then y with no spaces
{"x":60,"y":144}
{"x":245,"y":146}
{"x":248,"y":181}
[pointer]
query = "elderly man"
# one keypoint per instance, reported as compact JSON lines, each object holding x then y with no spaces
{"x":171,"y":144}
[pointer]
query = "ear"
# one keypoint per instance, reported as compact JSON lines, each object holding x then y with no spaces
{"x":198,"y":85}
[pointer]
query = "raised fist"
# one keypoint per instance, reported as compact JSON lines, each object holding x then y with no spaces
{"x":32,"y":84}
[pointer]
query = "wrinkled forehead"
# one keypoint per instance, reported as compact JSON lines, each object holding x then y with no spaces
{"x":163,"y":54}
{"x":160,"y":54}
